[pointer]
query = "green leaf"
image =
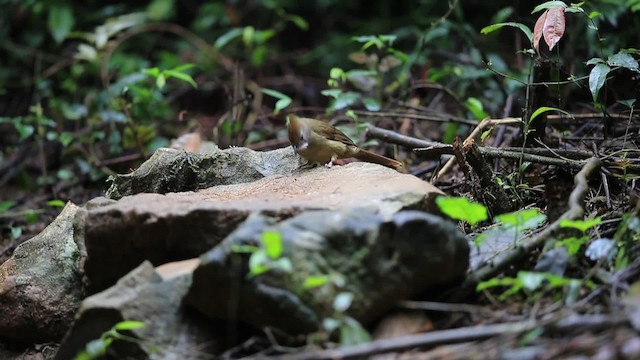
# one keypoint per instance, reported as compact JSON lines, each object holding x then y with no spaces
{"x":161,"y":80}
{"x":227,"y":37}
{"x":352,"y":333}
{"x":475,"y":107}
{"x":300,"y":22}
{"x":154,"y":71}
{"x":282,"y":104}
{"x":330,"y":324}
{"x":544,"y":109}
{"x":594,"y":61}
{"x":65,"y":138}
{"x":258,"y":263}
{"x":263,"y":36}
{"x":525,"y":29}
{"x":594,"y":14}
{"x":334,"y":93}
{"x":283,"y":264}
{"x":184,"y":67}
{"x":573,"y":244}
{"x":627,"y":102}
{"x":582,"y":225}
{"x":60,"y":21}
{"x":337,"y":73}
{"x":531,"y":280}
{"x":548,"y":5}
{"x":597,"y":77}
{"x":345,"y":99}
{"x":283,"y":100}
{"x":315,"y":281}
{"x":248,"y":35}
{"x":160,"y":9}
{"x":6,"y":205}
{"x":56,"y":203}
{"x":24,"y":131}
{"x":181,"y":76}
{"x":624,"y":60}
{"x":520,"y":217}
{"x":129,"y":325}
{"x":461,"y":208}
{"x":272,"y":241}
{"x":371,"y":104}
{"x":16,"y":231}
{"x":31,"y":216}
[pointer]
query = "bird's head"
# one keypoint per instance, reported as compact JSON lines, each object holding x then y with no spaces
{"x":299,"y":134}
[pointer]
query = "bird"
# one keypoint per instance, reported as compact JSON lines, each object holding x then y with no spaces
{"x":318,"y":142}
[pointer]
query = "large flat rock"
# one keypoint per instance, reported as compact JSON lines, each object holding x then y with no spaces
{"x":162,"y":228}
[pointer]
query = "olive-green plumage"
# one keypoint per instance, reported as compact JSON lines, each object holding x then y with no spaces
{"x":322,"y":143}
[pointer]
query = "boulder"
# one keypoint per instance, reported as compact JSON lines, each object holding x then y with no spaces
{"x":175,"y":226}
{"x":154,"y":298}
{"x":378,"y":260}
{"x":40,"y":287}
{"x":171,"y":170}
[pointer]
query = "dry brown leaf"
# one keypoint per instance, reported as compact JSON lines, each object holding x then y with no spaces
{"x":537,"y":31}
{"x":554,"y":26}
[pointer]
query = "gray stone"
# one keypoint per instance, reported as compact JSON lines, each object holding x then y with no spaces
{"x":170,"y":170}
{"x":40,"y":286}
{"x":153,"y":298}
{"x":176,"y":226}
{"x":380,"y":261}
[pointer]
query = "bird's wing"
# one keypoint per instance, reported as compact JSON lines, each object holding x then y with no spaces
{"x":332,"y":133}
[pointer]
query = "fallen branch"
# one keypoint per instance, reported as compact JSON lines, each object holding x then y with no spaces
{"x":459,"y":335}
{"x":489,"y":190}
{"x":393,"y":137}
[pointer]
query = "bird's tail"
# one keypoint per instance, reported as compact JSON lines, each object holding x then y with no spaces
{"x":372,"y":157}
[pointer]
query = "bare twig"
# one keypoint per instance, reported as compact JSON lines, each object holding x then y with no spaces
{"x":492,"y":194}
{"x":395,"y":138}
{"x":483,"y":124}
{"x":440,"y":306}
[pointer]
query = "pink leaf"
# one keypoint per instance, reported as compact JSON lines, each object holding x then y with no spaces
{"x":554,"y":26}
{"x":537,"y":30}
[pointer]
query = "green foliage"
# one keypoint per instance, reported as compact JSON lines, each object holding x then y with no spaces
{"x":531,"y":285}
{"x":493,"y":27}
{"x":283,"y":100}
{"x":268,"y":256}
{"x":573,"y":244}
{"x":379,"y":59}
{"x":602,"y":68}
{"x":161,"y":76}
{"x":97,"y":348}
{"x":460,"y":208}
{"x":580,"y":225}
{"x":476,"y":108}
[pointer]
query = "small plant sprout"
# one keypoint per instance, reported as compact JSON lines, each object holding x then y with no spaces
{"x":97,"y":348}
{"x":267,"y":256}
{"x":461,"y":208}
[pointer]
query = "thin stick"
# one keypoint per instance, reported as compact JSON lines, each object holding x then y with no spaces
{"x":483,"y":124}
{"x":459,"y":335}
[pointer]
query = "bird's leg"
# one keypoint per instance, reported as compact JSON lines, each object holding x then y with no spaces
{"x":330,"y":163}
